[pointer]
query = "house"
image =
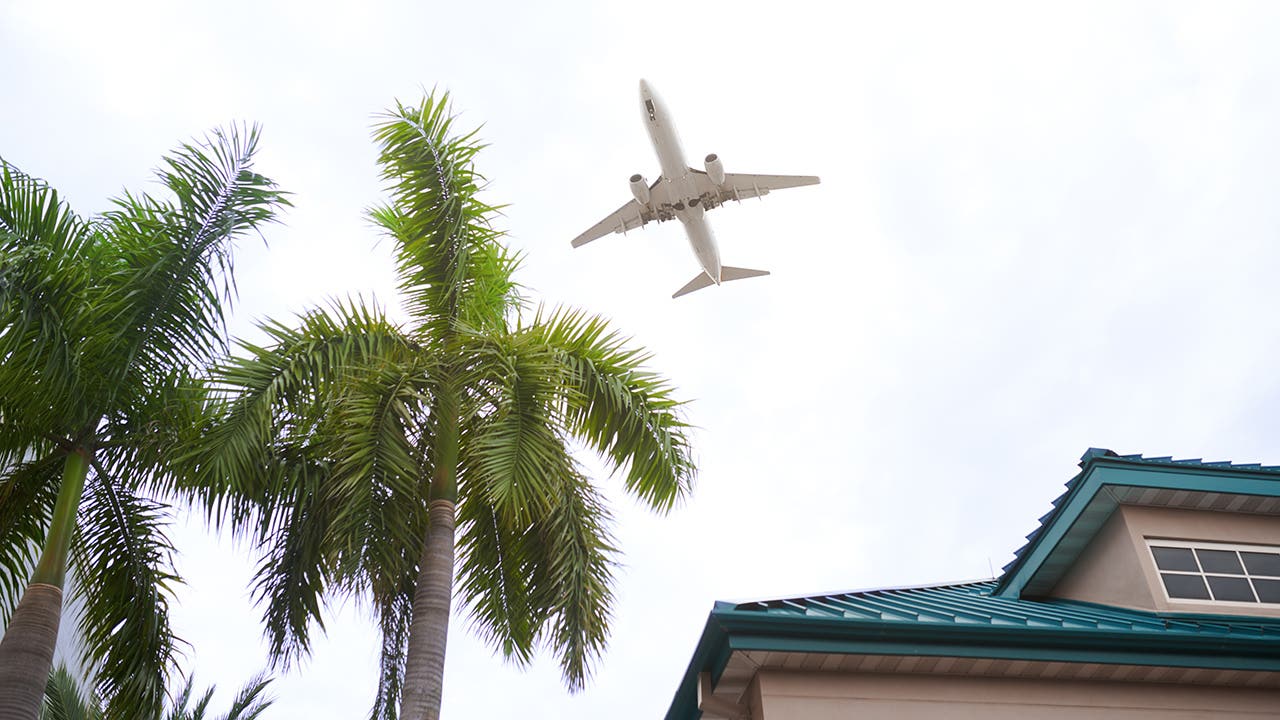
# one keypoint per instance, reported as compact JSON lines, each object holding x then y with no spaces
{"x":1150,"y":590}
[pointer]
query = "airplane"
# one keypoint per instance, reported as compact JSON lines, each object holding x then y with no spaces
{"x":685,"y":194}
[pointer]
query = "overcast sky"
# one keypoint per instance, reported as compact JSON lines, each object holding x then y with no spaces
{"x":1039,"y":229}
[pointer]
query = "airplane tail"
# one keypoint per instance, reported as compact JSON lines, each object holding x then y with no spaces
{"x":727,"y":273}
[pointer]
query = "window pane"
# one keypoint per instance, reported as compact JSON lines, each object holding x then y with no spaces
{"x":1190,"y":587}
{"x":1220,"y":561}
{"x":1268,"y":590}
{"x":1262,"y":563}
{"x":1171,"y":558}
{"x":1230,"y":588}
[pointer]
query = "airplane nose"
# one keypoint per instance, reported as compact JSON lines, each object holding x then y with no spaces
{"x":644,"y":87}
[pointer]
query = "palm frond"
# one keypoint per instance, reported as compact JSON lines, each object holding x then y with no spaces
{"x":266,"y":458}
{"x":31,"y":213}
{"x":64,"y":699}
{"x":144,"y":432}
{"x":271,"y":398}
{"x":27,"y":494}
{"x":624,"y":411}
{"x":573,"y":555}
{"x":291,"y":577}
{"x":165,"y":300}
{"x":44,"y":273}
{"x":124,"y":565}
{"x":20,"y":439}
{"x":513,"y":449}
{"x":395,"y":613}
{"x":181,"y":707}
{"x":546,"y":582}
{"x":248,"y":704}
{"x":452,"y":267}
{"x":251,"y":701}
{"x":494,"y":580}
{"x":377,"y":485}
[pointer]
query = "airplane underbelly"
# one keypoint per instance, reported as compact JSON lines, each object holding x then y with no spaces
{"x":682,"y":193}
{"x":702,"y":242}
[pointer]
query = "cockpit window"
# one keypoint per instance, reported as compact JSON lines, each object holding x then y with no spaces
{"x":653,"y":115}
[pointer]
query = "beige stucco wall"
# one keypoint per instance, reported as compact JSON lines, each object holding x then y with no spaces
{"x":783,"y":695}
{"x":1109,"y":571}
{"x":1116,"y":567}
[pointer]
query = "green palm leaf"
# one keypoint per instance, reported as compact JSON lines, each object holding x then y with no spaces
{"x":248,"y":704}
{"x":395,"y":613}
{"x":64,"y":699}
{"x":293,"y":573}
{"x":48,"y":257}
{"x":572,"y":552}
{"x":26,"y":506}
{"x":452,"y":267}
{"x":124,"y":565}
{"x":624,"y":411}
{"x":166,"y":301}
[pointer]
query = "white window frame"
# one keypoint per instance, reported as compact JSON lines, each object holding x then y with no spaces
{"x":1202,"y":545}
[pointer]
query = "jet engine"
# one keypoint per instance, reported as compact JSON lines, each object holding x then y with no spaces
{"x":640,"y":188}
{"x":715,"y":169}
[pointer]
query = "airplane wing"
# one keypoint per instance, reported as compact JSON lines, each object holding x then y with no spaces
{"x":740,"y":186}
{"x":630,"y":216}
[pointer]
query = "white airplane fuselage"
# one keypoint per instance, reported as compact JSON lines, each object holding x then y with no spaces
{"x":687,"y":206}
{"x":686,"y":194}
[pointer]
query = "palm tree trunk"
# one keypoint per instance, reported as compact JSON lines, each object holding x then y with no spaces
{"x":429,"y":631}
{"x":26,"y":652}
{"x":423,"y":684}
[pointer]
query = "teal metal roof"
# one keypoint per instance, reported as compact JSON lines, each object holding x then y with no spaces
{"x":1081,"y":509}
{"x":969,"y":620}
{"x":973,"y":604}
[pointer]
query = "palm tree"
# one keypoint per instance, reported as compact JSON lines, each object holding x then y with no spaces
{"x":65,"y":699}
{"x":374,"y":451}
{"x":102,"y":320}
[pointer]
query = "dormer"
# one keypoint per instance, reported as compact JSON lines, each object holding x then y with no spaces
{"x":1156,"y":534}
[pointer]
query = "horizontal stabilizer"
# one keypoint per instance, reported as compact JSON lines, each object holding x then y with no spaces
{"x":732,"y":273}
{"x":702,"y":280}
{"x":726,"y":274}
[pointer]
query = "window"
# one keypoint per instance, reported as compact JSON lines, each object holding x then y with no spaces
{"x":1216,"y":572}
{"x":653,"y":114}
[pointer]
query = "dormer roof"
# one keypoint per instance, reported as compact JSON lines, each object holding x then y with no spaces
{"x":1106,"y":480}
